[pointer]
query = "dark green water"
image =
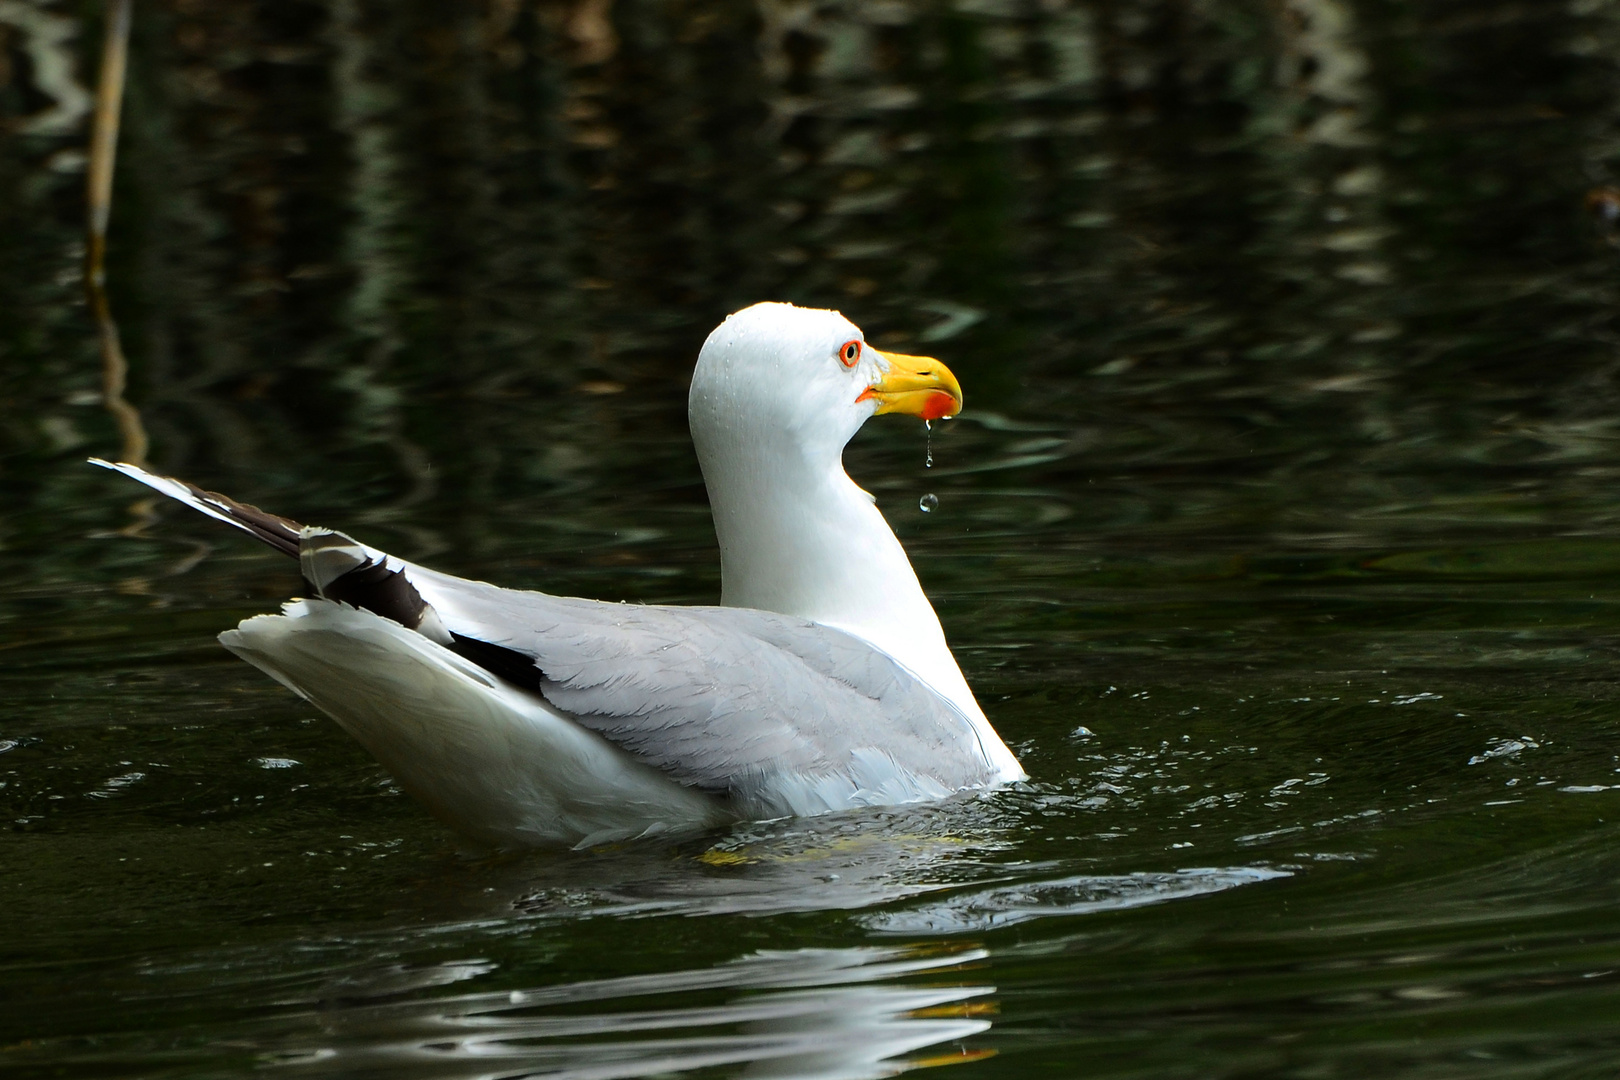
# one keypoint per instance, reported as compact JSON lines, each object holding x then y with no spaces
{"x":1279,"y":538}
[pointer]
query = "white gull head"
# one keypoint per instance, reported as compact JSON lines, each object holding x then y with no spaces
{"x":778,"y":392}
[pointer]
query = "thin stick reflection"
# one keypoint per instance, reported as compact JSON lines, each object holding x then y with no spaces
{"x":103,"y":153}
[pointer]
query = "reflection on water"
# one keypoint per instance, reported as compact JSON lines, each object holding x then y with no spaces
{"x":949,"y":860}
{"x":812,"y":1013}
{"x":1311,"y":213}
{"x":844,"y":861}
{"x":820,"y":1014}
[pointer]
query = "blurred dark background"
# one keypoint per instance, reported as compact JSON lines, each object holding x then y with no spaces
{"x":422,"y":252}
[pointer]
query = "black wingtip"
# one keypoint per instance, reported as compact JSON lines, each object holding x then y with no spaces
{"x":379,"y":590}
{"x":509,"y":664}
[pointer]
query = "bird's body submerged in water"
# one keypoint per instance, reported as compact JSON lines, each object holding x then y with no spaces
{"x":520,"y":718}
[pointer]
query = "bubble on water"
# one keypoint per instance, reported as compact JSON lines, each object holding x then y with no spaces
{"x":928,"y":503}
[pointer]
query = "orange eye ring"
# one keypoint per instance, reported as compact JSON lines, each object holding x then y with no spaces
{"x":849,"y":353}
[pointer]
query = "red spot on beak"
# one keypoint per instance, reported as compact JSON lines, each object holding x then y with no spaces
{"x":938,"y":405}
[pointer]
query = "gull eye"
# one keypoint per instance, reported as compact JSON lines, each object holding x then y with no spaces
{"x":850,"y":353}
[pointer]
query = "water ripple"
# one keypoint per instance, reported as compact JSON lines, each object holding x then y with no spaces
{"x":1008,"y":905}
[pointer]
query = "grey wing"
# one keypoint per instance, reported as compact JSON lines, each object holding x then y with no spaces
{"x":780,"y":712}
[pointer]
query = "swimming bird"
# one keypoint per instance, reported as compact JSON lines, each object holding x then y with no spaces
{"x":823,"y":681}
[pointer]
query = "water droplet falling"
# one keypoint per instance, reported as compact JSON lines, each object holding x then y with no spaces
{"x":928,"y":503}
{"x":928,"y":441}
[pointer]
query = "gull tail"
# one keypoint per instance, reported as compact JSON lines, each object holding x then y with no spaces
{"x":280,"y":533}
{"x":335,"y":566}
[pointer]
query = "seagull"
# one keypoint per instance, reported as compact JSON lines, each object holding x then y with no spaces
{"x":822,"y":683}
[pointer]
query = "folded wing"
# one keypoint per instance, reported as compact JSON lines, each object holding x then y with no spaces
{"x":779,"y":713}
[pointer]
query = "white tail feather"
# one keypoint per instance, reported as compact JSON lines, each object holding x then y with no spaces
{"x":174,"y":489}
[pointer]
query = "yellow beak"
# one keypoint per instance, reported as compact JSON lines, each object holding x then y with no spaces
{"x":916,"y":385}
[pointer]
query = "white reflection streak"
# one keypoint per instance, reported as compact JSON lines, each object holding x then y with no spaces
{"x":816,"y":1014}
